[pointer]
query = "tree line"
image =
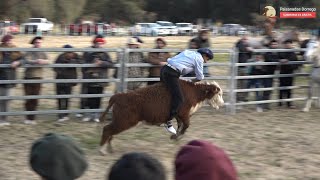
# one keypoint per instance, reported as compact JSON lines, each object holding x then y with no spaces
{"x":130,"y":11}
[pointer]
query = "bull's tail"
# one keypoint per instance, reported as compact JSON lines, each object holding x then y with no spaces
{"x":104,"y":114}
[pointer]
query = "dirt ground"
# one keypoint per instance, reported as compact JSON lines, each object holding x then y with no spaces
{"x":280,"y":144}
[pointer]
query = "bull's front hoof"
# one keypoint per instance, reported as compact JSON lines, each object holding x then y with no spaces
{"x":102,"y":151}
{"x":174,"y":137}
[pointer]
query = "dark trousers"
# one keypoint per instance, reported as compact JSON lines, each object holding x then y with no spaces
{"x":266,"y":95}
{"x":94,"y":103}
{"x":242,"y":84}
{"x":63,"y":103}
{"x":256,"y":83}
{"x":84,"y":90}
{"x":285,"y":94}
{"x":170,"y":78}
{"x":31,"y":104}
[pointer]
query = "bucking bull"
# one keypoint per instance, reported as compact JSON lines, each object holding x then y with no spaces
{"x":151,"y":104}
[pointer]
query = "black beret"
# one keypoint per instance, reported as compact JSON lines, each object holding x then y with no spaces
{"x":57,"y":157}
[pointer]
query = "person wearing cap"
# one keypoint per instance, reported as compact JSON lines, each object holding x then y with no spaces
{"x":136,"y":166}
{"x":8,"y":73}
{"x":65,"y":73}
{"x":135,"y":57}
{"x":157,"y":58}
{"x":202,"y":160}
{"x":201,"y":41}
{"x":34,"y":73}
{"x":103,"y":62}
{"x":57,"y":157}
{"x":287,"y":69}
{"x":185,"y":62}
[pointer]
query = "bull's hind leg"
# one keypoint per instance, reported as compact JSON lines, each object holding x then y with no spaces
{"x":110,"y":130}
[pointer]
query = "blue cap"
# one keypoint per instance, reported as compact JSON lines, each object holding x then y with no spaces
{"x":206,"y":51}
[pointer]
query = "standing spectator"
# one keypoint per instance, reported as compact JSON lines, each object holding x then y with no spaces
{"x":202,"y":160}
{"x":193,"y":44}
{"x":269,"y":70}
{"x":244,"y":54}
{"x":57,"y":157}
{"x":137,"y":166}
{"x":202,"y":41}
{"x":65,"y":73}
{"x":287,"y":69}
{"x":157,"y":58}
{"x":12,"y":58}
{"x":256,"y":83}
{"x":135,"y":57}
{"x":32,"y":73}
{"x":102,"y":62}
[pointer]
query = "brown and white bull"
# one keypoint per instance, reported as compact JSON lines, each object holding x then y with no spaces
{"x":151,"y":104}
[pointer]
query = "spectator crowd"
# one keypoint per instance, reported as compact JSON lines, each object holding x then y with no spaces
{"x":103,"y":62}
{"x":247,"y":55}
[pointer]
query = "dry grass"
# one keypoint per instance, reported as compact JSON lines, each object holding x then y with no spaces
{"x":278,"y":144}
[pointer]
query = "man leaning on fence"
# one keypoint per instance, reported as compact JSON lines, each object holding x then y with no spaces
{"x":102,"y":61}
{"x":245,"y":52}
{"x":269,"y":70}
{"x":65,"y":73}
{"x":34,"y":73}
{"x":285,"y":68}
{"x":8,"y":73}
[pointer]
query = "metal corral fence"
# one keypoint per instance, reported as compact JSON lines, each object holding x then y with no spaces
{"x":228,"y":79}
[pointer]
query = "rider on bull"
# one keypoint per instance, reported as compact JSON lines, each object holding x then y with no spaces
{"x":182,"y":64}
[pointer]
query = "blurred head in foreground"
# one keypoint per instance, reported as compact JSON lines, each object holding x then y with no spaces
{"x":137,"y":166}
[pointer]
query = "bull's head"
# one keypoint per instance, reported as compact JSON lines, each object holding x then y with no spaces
{"x":214,"y":94}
